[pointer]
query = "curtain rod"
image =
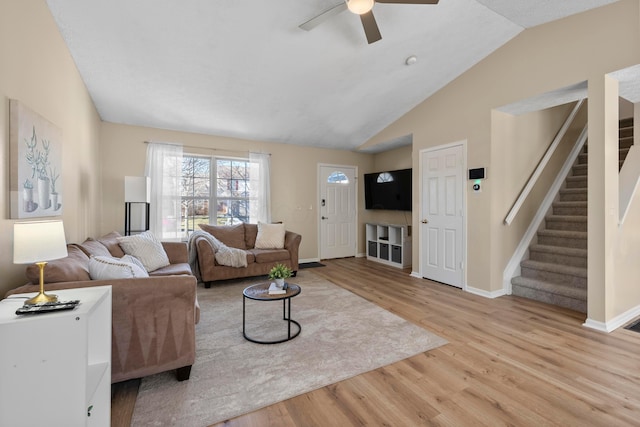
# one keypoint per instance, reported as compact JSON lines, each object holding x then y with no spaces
{"x":207,"y":148}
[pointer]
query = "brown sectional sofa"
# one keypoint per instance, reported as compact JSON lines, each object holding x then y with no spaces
{"x":153,"y":318}
{"x":243,"y":236}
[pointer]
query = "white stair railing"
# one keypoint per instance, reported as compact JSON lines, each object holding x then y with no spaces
{"x":541,"y":165}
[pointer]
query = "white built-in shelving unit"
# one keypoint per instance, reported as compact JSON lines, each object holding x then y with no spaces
{"x":55,"y":368}
{"x":389,"y":244}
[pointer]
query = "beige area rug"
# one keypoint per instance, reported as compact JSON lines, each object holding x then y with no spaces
{"x":343,"y":335}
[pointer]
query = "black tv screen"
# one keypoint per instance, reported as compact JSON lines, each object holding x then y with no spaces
{"x":390,"y":190}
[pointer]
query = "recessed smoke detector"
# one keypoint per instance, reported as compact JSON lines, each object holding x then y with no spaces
{"x":411,"y":60}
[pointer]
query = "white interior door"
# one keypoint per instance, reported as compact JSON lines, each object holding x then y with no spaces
{"x":337,"y":211}
{"x":442,"y":215}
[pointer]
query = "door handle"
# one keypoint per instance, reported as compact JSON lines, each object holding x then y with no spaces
{"x":424,"y":221}
{"x":324,"y":217}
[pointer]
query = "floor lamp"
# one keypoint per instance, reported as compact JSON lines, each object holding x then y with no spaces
{"x":136,"y":204}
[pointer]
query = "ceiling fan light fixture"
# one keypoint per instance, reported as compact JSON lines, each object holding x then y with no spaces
{"x":360,"y":7}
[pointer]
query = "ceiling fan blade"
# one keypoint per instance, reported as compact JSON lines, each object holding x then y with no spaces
{"x":319,"y":19}
{"x":409,"y":1}
{"x":370,"y":27}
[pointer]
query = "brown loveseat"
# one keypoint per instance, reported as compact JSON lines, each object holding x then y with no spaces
{"x":153,"y":318}
{"x":242,"y":236}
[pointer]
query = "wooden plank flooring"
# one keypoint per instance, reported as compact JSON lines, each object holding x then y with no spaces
{"x":509,"y":362}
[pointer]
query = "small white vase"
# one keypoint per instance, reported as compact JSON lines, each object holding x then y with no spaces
{"x":280,"y":283}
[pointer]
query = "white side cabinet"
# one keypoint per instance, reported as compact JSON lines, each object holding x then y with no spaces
{"x":55,"y":368}
{"x":389,"y":244}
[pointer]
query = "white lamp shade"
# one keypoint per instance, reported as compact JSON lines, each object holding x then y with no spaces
{"x":38,"y":241}
{"x":360,"y":7}
{"x":137,"y":189}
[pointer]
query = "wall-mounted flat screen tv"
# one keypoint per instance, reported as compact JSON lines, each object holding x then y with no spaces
{"x":390,"y":190}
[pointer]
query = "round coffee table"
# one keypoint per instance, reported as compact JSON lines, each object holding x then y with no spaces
{"x":260,"y":292}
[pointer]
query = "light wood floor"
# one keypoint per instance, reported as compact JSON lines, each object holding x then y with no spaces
{"x":509,"y":361}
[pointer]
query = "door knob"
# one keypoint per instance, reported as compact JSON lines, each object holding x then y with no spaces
{"x":324,"y":217}
{"x":424,"y":221}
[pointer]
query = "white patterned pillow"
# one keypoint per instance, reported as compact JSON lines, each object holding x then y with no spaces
{"x":270,"y":236}
{"x":146,"y":248}
{"x":108,"y":268}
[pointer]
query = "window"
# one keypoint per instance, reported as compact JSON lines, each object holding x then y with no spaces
{"x":337,"y":177}
{"x":232,"y":196}
{"x":385,"y":177}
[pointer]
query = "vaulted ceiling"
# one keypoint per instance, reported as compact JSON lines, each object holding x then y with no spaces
{"x":244,"y":68}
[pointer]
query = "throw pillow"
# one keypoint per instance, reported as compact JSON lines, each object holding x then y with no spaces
{"x":109,"y":268}
{"x":270,"y":236}
{"x":230,"y":235}
{"x":111,"y":242}
{"x":146,"y":248}
{"x":72,"y":268}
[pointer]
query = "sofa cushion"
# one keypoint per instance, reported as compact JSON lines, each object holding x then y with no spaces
{"x":264,"y":256}
{"x":111,"y":242}
{"x":74,"y":267}
{"x":270,"y":236}
{"x":110,"y":268}
{"x":230,"y":235}
{"x":172,"y":270}
{"x":250,"y":234}
{"x":94,"y":247}
{"x":146,"y":248}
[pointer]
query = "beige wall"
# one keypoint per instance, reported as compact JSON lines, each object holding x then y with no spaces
{"x":294,"y":188}
{"x":38,"y":71}
{"x":547,"y":57}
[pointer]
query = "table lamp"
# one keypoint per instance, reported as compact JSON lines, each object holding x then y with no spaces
{"x":38,"y":242}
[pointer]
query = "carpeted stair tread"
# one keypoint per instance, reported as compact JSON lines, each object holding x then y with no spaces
{"x":551,"y":288}
{"x":563,"y":233}
{"x":555,"y":268}
{"x":567,"y":218}
{"x":559,"y":250}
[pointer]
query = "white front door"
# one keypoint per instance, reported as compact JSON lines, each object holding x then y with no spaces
{"x":442,"y":215}
{"x":337,"y":211}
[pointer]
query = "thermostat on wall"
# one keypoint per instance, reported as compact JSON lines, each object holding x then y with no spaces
{"x":478,"y":173}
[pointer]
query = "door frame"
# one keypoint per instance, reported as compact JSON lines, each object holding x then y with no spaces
{"x":318,"y":196}
{"x":418,"y":219}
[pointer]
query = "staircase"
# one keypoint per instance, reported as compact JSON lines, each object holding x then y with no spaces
{"x":556,"y":271}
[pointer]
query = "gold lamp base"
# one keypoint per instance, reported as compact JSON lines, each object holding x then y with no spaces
{"x":41,"y":298}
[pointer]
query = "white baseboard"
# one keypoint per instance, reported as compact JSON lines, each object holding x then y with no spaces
{"x":486,"y":294}
{"x":361,"y":255}
{"x":416,"y":275}
{"x":302,"y":261}
{"x":614,"y":323}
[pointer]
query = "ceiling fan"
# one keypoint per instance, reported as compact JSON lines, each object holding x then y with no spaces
{"x":362,"y":8}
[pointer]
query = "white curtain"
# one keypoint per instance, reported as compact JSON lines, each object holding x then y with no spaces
{"x":260,"y":172}
{"x":164,"y":167}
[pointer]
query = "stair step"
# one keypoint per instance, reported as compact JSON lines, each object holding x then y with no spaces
{"x":554,"y":273}
{"x":567,"y":256}
{"x":565,"y":239}
{"x":583,"y":158}
{"x":576,"y":181}
{"x":626,"y":122}
{"x":550,"y":293}
{"x":566,"y":222}
{"x":625,"y":142}
{"x":578,"y":207}
{"x":579,"y":170}
{"x":573,"y":194}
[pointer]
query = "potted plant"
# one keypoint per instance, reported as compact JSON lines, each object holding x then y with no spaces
{"x":279,"y":272}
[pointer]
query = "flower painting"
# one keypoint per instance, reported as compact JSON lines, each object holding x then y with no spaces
{"x":36,"y":164}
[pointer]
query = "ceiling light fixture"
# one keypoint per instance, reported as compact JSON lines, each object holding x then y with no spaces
{"x":360,"y":7}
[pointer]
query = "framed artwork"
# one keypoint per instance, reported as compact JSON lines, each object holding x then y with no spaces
{"x":36,"y":164}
